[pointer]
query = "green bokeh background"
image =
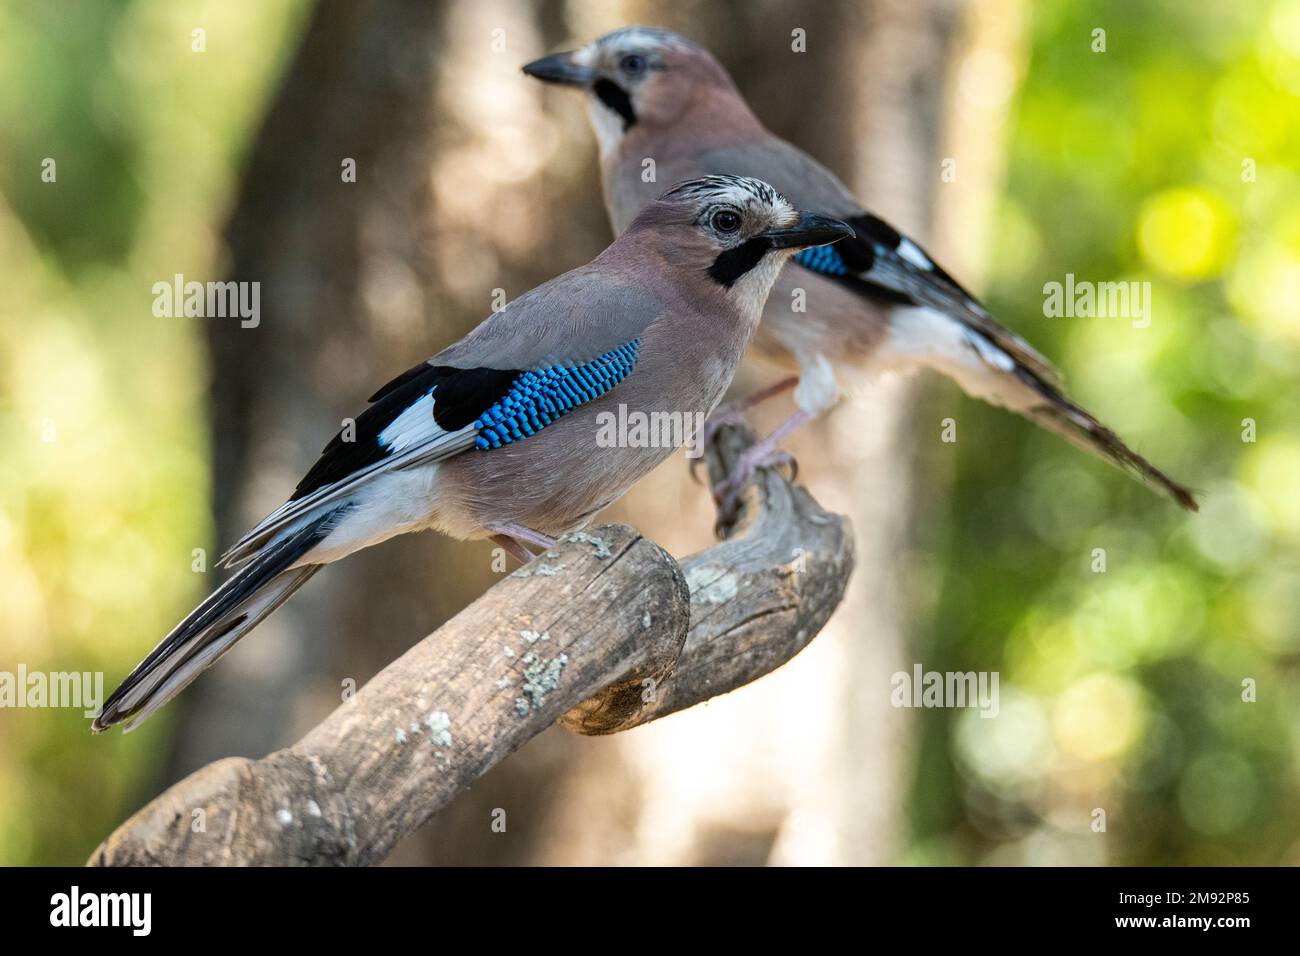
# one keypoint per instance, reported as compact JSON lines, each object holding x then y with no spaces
{"x":1172,"y":158}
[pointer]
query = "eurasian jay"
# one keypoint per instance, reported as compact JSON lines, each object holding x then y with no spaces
{"x":497,"y":436}
{"x":874,"y":302}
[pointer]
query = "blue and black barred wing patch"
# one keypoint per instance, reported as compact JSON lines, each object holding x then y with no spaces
{"x":431,"y":401}
{"x":851,"y":267}
{"x":882,"y":263}
{"x":537,"y":398}
{"x":878,"y":254}
{"x":823,"y":259}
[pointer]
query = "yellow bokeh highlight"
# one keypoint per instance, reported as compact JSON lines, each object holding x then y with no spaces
{"x":1265,"y":289}
{"x":1187,"y":232}
{"x":1284,"y":26}
{"x":1099,"y":717}
{"x":1271,"y":471}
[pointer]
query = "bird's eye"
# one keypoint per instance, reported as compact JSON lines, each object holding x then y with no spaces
{"x":632,"y":64}
{"x":726,"y":221}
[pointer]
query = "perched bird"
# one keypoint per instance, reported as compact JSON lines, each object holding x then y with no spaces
{"x":874,"y":302}
{"x":496,"y":436}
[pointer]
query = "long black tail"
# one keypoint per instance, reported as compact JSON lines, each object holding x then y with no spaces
{"x":211,"y":629}
{"x":987,"y":370}
{"x":1078,"y":426}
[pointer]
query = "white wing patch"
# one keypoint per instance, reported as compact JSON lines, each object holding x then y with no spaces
{"x":928,"y":338}
{"x":414,"y":426}
{"x":910,"y":251}
{"x":989,"y":352}
{"x":412,"y":438}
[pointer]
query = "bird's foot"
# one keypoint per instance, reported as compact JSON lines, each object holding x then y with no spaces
{"x":515,"y":538}
{"x":766,"y":454}
{"x":726,"y":493}
{"x":513,"y":547}
{"x":733,"y":413}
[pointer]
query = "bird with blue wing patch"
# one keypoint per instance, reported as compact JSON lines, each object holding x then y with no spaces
{"x":497,"y":436}
{"x":876,"y":301}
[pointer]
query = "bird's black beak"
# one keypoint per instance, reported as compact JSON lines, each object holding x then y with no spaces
{"x":561,"y":68}
{"x":810,"y":230}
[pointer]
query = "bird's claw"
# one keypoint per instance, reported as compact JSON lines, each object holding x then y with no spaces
{"x":726,"y":493}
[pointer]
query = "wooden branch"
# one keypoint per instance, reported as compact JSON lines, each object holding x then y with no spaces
{"x":757,"y":599}
{"x":602,"y":633}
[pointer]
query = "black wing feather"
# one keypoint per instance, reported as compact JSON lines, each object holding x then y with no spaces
{"x":463,"y":394}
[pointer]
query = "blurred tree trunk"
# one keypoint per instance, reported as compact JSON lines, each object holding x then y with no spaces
{"x":546,"y":217}
{"x":896,"y":124}
{"x":928,"y":125}
{"x":347,"y":289}
{"x":876,"y":72}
